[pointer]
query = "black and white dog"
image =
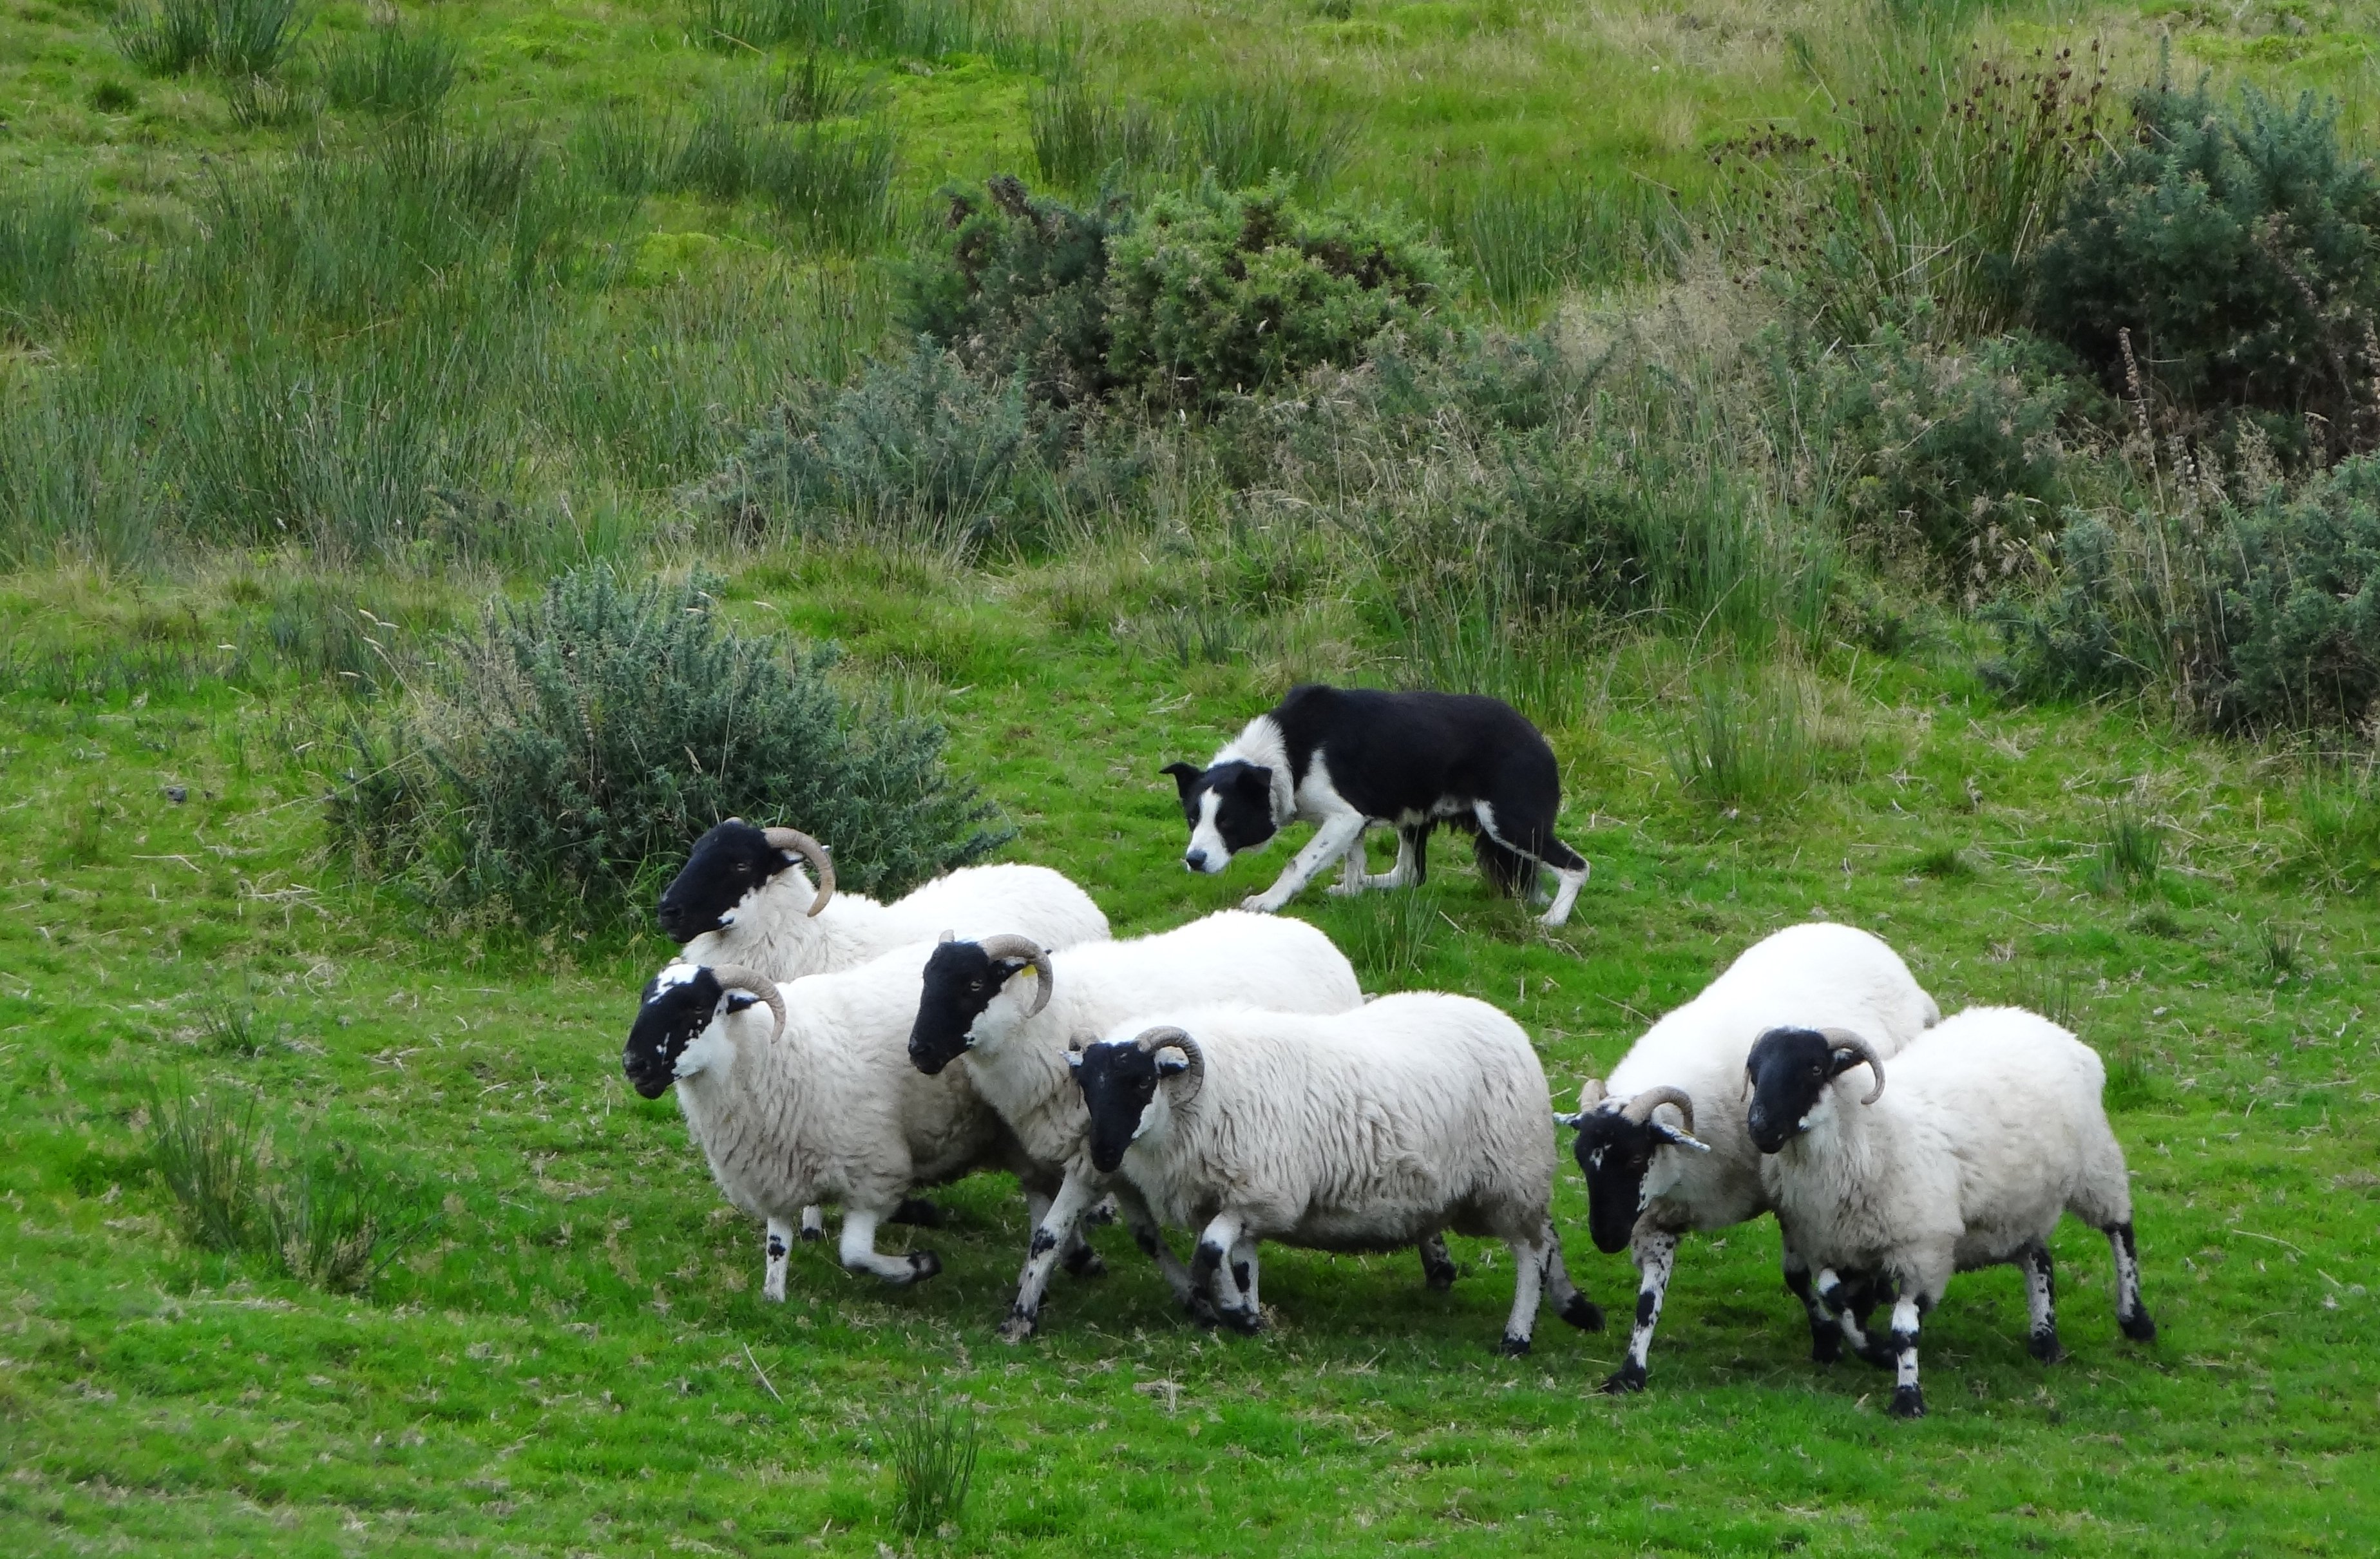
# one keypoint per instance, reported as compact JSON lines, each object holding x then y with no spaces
{"x":1347,"y":760}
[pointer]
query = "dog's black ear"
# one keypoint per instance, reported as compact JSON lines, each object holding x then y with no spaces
{"x":1258,"y":781}
{"x":1185,"y":776}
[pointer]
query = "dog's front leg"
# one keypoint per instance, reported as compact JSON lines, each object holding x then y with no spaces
{"x":1338,"y":834}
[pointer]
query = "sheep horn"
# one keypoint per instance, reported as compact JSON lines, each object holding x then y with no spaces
{"x":1640,"y":1109}
{"x":736,"y":977}
{"x":1843,"y":1039}
{"x":1151,"y":1040}
{"x":1008,"y":946}
{"x":810,"y":850}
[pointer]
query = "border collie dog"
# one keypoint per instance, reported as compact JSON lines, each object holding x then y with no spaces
{"x":1348,"y":760}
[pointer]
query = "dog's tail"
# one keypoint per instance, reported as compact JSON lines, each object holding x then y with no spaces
{"x":1506,"y":870}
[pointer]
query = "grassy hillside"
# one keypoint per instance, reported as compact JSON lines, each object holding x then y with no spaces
{"x":320,"y":373}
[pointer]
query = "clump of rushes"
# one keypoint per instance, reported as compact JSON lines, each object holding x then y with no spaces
{"x":933,"y":1448}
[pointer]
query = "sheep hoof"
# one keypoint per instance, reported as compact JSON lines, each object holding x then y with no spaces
{"x":923,"y":1264}
{"x":1583,"y":1313}
{"x":1629,"y":1377}
{"x":1908,"y":1402}
{"x":1102,"y":1212}
{"x":918,"y":1212}
{"x":1439,"y":1276}
{"x":1083,"y":1261}
{"x":2138,"y":1326}
{"x":1247,"y":1323}
{"x":2043,"y":1346}
{"x":1202,"y":1311}
{"x":812,"y":1234}
{"x":1513,"y":1345}
{"x":1017,"y":1327}
{"x":1827,"y":1347}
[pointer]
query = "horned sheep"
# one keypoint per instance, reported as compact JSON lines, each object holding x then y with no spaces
{"x":801,"y":1093}
{"x":1661,"y":1140}
{"x":1008,"y":1008}
{"x":1992,"y":1129}
{"x":1362,"y":1131}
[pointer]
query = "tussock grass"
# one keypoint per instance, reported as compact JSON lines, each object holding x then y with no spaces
{"x":2131,"y":851}
{"x":1523,"y":241}
{"x":1744,"y":741}
{"x":236,"y":38}
{"x":877,"y":29}
{"x":1389,"y":933}
{"x":42,"y":233}
{"x":933,"y":1444}
{"x":209,"y":1153}
{"x":392,"y":69}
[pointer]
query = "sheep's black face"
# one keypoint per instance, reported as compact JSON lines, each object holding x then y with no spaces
{"x":1118,"y":1080}
{"x":960,"y":980}
{"x":1614,"y":1152}
{"x":679,"y":1005}
{"x":1789,"y":1070}
{"x":727,"y":865}
{"x":1229,"y":809}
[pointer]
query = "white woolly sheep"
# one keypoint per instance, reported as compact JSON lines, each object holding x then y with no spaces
{"x":814,"y":1099}
{"x":743,"y":899}
{"x":1661,"y":1141}
{"x":1362,"y":1131}
{"x":1992,"y":1128}
{"x":1013,"y":1034}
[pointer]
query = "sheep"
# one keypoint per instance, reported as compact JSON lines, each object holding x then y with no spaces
{"x":1360,"y":1130}
{"x":1014,"y":1040}
{"x":1992,"y":1129}
{"x":742,"y":899}
{"x":814,"y":1099}
{"x":1650,"y":1178}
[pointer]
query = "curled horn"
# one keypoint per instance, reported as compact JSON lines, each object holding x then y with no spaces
{"x":1151,"y":1040}
{"x":810,"y":850}
{"x":736,"y":977}
{"x":1011,"y":946}
{"x":1843,"y":1039}
{"x":1640,"y":1109}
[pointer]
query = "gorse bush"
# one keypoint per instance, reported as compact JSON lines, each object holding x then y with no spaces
{"x":559,"y":761}
{"x":2232,"y":247}
{"x":1957,"y":454}
{"x":1213,"y":293}
{"x":1019,"y":285}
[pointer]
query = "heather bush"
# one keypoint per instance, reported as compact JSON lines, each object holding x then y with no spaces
{"x":2220,"y":265}
{"x":557,"y":762}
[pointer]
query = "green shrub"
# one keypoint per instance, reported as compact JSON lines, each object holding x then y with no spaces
{"x":2234,"y":247}
{"x":1959,"y":451}
{"x":1019,"y":287}
{"x":1209,"y":293}
{"x":558,"y":763}
{"x":915,"y":445}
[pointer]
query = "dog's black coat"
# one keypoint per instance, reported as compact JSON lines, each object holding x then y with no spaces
{"x":1410,"y":761}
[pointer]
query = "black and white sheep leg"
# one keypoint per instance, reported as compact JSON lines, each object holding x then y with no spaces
{"x":1825,"y":1334}
{"x":1148,"y":1234}
{"x":2040,"y":1302}
{"x":1056,"y":1221}
{"x":1844,"y":1302}
{"x":813,"y":1222}
{"x":1438,"y":1269}
{"x":1908,"y":1398}
{"x":1244,"y":1273}
{"x":779,"y":1245}
{"x":1574,"y":1308}
{"x":2132,"y":1316}
{"x":1657,"y":1257}
{"x":1211,"y":1268}
{"x":858,"y":1253}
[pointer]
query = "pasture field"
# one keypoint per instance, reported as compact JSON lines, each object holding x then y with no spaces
{"x":257,"y":463}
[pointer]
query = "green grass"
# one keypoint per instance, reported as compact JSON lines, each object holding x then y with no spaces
{"x":582,"y":1316}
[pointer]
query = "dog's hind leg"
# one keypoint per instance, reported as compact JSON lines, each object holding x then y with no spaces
{"x":1539,"y":848}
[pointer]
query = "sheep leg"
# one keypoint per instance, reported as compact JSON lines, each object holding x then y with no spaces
{"x":1076,"y":1255}
{"x":1655,"y":1254}
{"x":1212,"y":1267}
{"x":859,"y":1252}
{"x":1438,"y":1269}
{"x":1055,"y":1221}
{"x":1562,"y":1293}
{"x":1843,"y":1304}
{"x":813,"y":1222}
{"x":1908,"y":1399}
{"x":918,"y":1212}
{"x":1826,"y":1335}
{"x":2041,"y":1301}
{"x":1151,"y":1241}
{"x":1330,"y":841}
{"x":1528,"y":1287}
{"x":1244,"y":1272}
{"x":778,"y":1245}
{"x":2131,"y":1317}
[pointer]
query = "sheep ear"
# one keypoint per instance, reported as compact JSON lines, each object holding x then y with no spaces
{"x":1074,"y":1060}
{"x":1075,"y":1047}
{"x":1571,"y":1121}
{"x":1843,"y":1060}
{"x":1677,"y":1138}
{"x":1171,"y":1063}
{"x":947,"y":936}
{"x":737,"y":1002}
